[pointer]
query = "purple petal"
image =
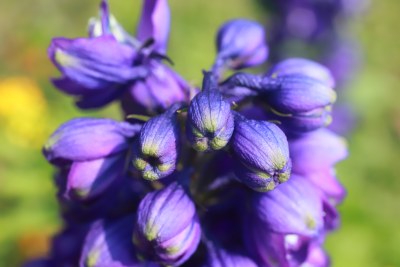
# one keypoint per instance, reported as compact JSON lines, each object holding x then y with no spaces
{"x":317,"y":150}
{"x":87,"y":139}
{"x":293,"y":207}
{"x":94,"y":63}
{"x":154,"y":23}
{"x":161,"y":89}
{"x":88,"y":179}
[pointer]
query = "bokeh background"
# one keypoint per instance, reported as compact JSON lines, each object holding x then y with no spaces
{"x":30,"y":109}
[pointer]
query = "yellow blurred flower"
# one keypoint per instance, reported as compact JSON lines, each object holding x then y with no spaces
{"x":23,"y":113}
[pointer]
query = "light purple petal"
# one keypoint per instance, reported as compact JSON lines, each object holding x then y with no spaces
{"x":88,"y":138}
{"x":154,"y":23}
{"x":294,"y":207}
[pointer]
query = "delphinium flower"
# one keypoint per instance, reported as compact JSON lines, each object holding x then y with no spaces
{"x":242,"y":174}
{"x":319,"y":29}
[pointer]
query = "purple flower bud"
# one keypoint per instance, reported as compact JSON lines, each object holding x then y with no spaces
{"x":209,"y":121}
{"x":154,"y":23}
{"x":300,"y":102}
{"x":168,"y":230}
{"x":303,"y":103}
{"x":88,"y":139}
{"x":94,"y":68}
{"x":293,"y":208}
{"x":299,"y":95}
{"x":262,"y":152}
{"x":156,"y":149}
{"x":160,"y":90}
{"x":240,"y":44}
{"x":219,"y":257}
{"x":110,"y":244}
{"x":302,"y":66}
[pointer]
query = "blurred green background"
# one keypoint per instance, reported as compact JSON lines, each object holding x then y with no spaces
{"x":30,"y":109}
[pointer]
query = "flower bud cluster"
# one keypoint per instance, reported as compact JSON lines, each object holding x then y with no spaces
{"x":202,"y":182}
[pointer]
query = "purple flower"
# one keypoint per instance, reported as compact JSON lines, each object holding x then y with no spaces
{"x":156,"y":149}
{"x":240,"y":44}
{"x":168,"y":230}
{"x":210,"y":121}
{"x":262,"y":152}
{"x":94,"y":69}
{"x":92,"y":151}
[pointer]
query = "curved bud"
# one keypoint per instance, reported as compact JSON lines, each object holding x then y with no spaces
{"x":154,"y":23}
{"x":88,"y":139}
{"x":299,"y":94}
{"x":240,"y":44}
{"x":303,"y":103}
{"x":108,"y":243}
{"x":293,"y":208}
{"x":262,"y":152}
{"x":302,"y":66}
{"x":209,"y":121}
{"x":168,"y":230}
{"x":156,"y":150}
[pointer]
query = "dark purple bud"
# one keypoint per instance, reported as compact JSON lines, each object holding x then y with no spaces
{"x":161,"y":89}
{"x":209,"y":121}
{"x":156,"y":149}
{"x":154,"y":23}
{"x":109,"y":243}
{"x":262,"y":152}
{"x":168,"y":230}
{"x":293,"y":208}
{"x":302,"y":66}
{"x":241,"y":43}
{"x":219,"y":257}
{"x":86,"y":139}
{"x":92,"y":66}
